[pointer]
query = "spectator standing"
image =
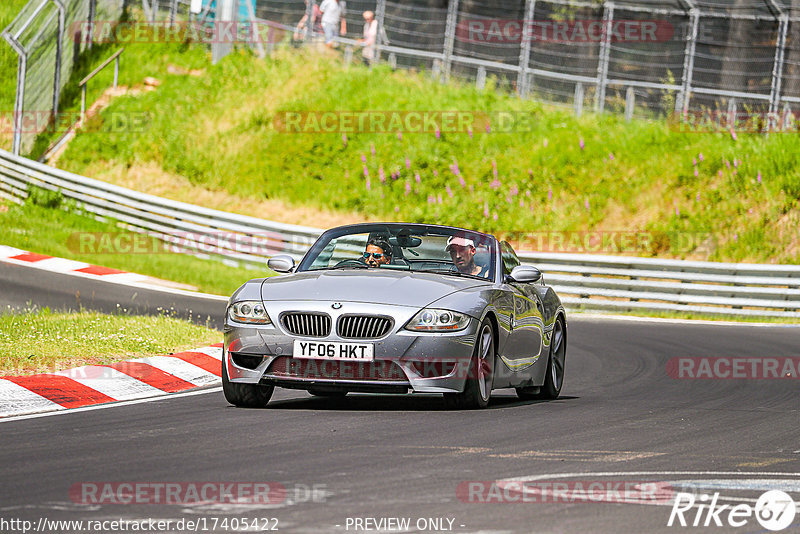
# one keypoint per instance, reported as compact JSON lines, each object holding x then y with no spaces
{"x":332,"y":21}
{"x":370,"y":37}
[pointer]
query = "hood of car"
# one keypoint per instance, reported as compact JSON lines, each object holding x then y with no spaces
{"x":400,"y":288}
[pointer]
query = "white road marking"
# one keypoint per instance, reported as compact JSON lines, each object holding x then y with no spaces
{"x":214,"y":352}
{"x":181,"y":369}
{"x":15,"y":399}
{"x":111,"y":382}
{"x":743,"y":487}
{"x":110,"y":405}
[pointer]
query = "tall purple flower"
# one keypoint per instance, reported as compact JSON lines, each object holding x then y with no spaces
{"x":495,"y":184}
{"x":400,"y":135}
{"x":694,"y":162}
{"x":759,"y":176}
{"x":586,"y":204}
{"x":344,"y":139}
{"x":363,"y":158}
{"x":372,"y":149}
{"x":449,"y":191}
{"x":486,"y":209}
{"x":438,"y":133}
{"x":469,"y":132}
{"x":700,"y":156}
{"x":488,"y":128}
{"x":369,"y":185}
{"x":408,"y":188}
{"x":462,"y":182}
{"x":408,"y":163}
{"x":580,"y":143}
{"x":695,"y":173}
{"x":610,"y":156}
{"x":416,"y":177}
{"x":733,"y":135}
{"x":381,"y":175}
{"x":550,"y":194}
{"x":439,"y":198}
{"x":366,"y":172}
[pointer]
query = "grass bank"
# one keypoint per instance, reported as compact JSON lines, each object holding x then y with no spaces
{"x":555,"y":172}
{"x":41,"y":340}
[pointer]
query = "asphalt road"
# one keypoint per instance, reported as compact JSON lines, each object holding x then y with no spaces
{"x":621,"y":418}
{"x":22,"y":287}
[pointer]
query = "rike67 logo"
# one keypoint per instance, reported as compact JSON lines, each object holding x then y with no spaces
{"x":774,"y":510}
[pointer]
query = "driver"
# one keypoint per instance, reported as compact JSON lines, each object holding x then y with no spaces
{"x":462,"y":251}
{"x":378,"y":252}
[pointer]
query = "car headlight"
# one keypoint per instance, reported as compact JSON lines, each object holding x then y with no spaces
{"x":249,"y":311}
{"x":435,"y":320}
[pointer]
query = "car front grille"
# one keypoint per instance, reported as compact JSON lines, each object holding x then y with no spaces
{"x":307,"y":324}
{"x":363,"y":326}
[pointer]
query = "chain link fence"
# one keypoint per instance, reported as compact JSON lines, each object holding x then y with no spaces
{"x":643,"y":57}
{"x":43,"y":37}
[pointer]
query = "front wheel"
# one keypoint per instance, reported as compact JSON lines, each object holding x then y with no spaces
{"x":478,"y":387}
{"x":244,"y":395}
{"x":554,"y":377}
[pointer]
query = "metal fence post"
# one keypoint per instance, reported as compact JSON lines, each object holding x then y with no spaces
{"x":62,"y":13}
{"x":92,"y":16}
{"x":173,"y":11}
{"x":480,"y":79}
{"x":577,"y":100}
{"x":688,"y":62}
{"x":19,"y":102}
{"x":449,"y":36}
{"x":380,"y":16}
{"x":309,"y":20}
{"x":602,"y":63}
{"x":630,"y":102}
{"x":731,"y":113}
{"x":777,"y":67}
{"x":523,"y":82}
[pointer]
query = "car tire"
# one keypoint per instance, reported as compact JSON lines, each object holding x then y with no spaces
{"x":479,"y":381}
{"x":554,"y":376}
{"x":328,"y":393}
{"x":244,"y":395}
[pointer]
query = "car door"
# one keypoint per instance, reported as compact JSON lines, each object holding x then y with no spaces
{"x":524,"y":345}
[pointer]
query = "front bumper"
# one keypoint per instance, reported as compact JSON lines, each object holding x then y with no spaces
{"x":404,"y":360}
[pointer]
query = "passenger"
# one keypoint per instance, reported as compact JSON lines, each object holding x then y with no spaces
{"x":378,"y":252}
{"x":462,"y":251}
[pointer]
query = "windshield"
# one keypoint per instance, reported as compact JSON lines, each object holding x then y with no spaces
{"x":409,"y":247}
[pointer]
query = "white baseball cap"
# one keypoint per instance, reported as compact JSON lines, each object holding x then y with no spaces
{"x":459,"y":241}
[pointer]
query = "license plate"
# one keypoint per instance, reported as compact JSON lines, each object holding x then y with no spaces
{"x":332,"y":350}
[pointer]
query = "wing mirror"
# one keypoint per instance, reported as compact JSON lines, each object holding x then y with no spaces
{"x":282,"y":263}
{"x":525,"y":273}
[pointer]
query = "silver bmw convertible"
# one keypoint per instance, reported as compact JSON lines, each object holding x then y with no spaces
{"x":393,"y":308}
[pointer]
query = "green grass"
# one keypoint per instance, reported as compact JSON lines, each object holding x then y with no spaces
{"x":41,"y":340}
{"x":218,"y":132}
{"x":44,"y":229}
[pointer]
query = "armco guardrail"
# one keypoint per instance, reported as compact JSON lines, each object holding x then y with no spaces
{"x":583,"y":281}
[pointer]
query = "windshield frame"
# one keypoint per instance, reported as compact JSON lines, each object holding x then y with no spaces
{"x":393,"y":228}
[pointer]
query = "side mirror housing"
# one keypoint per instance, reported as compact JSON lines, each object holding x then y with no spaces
{"x":525,"y":273}
{"x":282,"y":263}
